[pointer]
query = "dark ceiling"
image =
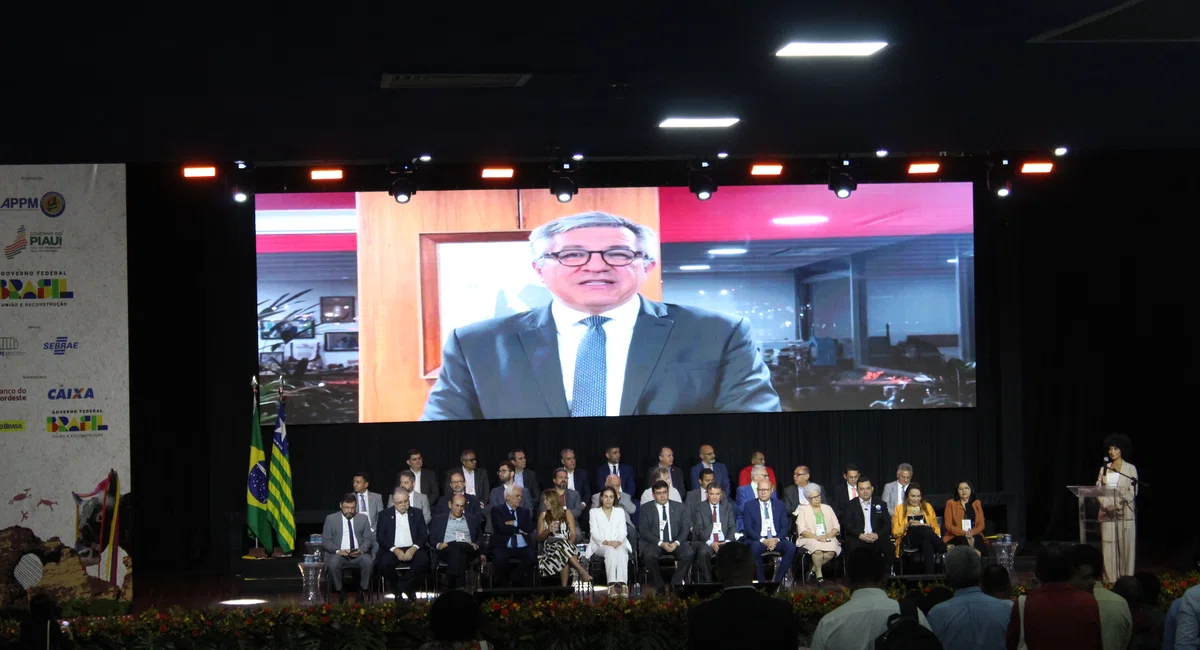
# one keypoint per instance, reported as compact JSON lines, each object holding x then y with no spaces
{"x":301,"y":82}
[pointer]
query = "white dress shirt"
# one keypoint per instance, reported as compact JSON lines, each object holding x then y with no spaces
{"x":346,"y":536}
{"x":866,"y":508}
{"x":417,"y":481}
{"x":571,"y":481}
{"x":618,"y":334}
{"x":403,"y":536}
{"x":768,"y":520}
{"x":469,"y":477}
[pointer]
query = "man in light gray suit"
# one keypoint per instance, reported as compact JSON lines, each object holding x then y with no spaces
{"x":894,"y":492}
{"x":368,"y":503}
{"x":406,"y":480}
{"x":570,"y":498}
{"x":598,"y":348}
{"x":626,"y":503}
{"x":348,"y":540}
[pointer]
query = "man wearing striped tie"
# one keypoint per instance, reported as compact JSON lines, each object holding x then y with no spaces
{"x":599,"y":349}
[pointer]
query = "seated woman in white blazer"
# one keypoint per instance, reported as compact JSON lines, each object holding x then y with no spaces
{"x":609,"y":540}
{"x":818,"y":527}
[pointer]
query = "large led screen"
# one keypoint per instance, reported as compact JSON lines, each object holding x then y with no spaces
{"x":626,"y":301}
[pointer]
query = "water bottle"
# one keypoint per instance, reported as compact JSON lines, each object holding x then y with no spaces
{"x":637,"y":590}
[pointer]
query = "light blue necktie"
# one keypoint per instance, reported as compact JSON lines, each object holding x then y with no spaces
{"x":589,"y":397}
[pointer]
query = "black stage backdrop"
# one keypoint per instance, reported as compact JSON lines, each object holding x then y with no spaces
{"x":1081,"y":327}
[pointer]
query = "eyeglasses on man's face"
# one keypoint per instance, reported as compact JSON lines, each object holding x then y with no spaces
{"x":611,"y":257}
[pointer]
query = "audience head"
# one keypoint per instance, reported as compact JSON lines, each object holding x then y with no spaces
{"x":1118,"y":445}
{"x":851,"y":474}
{"x":706,"y":477}
{"x":458,"y":503}
{"x":866,"y":568}
{"x":800,"y":475}
{"x":400,"y":500}
{"x":736,"y":565}
{"x":567,"y":458}
{"x":758,"y":474}
{"x":458,"y":483}
{"x":666,"y":456}
{"x":349,"y":505}
{"x":610,"y":496}
{"x":560,"y":478}
{"x":1129,"y":588}
{"x":904,"y":473}
{"x":1151,"y":586}
{"x":406,"y":480}
{"x":1088,"y":564}
{"x":965,"y":492}
{"x":962,"y":567}
{"x":469,"y":459}
{"x":506,"y":472}
{"x":813,"y":491}
{"x":758,"y":458}
{"x":914,"y":496}
{"x":553,"y":503}
{"x":1054,"y":564}
{"x":996,"y":582}
{"x":865,"y":488}
{"x":454,"y":616}
{"x":765,"y":490}
{"x":513,"y":497}
{"x":415,"y":461}
{"x":661,"y":492}
{"x":613,"y":481}
{"x":517,"y":456}
{"x":715,"y":493}
{"x":613,"y":454}
{"x":362,"y":481}
{"x":661,"y":474}
{"x":707,"y":454}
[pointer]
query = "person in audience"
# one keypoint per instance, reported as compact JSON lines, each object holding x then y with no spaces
{"x":666,"y":461}
{"x":866,"y":520}
{"x":936,"y":595}
{"x":458,"y":487}
{"x":661,"y":474}
{"x":845,"y":493}
{"x":425,"y":481}
{"x":556,"y":530}
{"x":1056,"y":614}
{"x":741,"y":617}
{"x":568,"y":498}
{"x":818,"y":527}
{"x":625,"y":502}
{"x":1144,"y":636}
{"x":599,"y":348}
{"x":499,"y":495}
{"x":522,"y":475}
{"x":663,"y":530}
{"x":513,"y":539}
{"x":1155,"y":617}
{"x":714,"y":525}
{"x":403,"y":539}
{"x":915,"y":521}
{"x":1116,"y":621}
{"x":793,"y":495}
{"x":610,"y":539}
{"x":708,"y":460}
{"x":749,"y":493}
{"x":348,"y":541}
{"x":577,"y":478}
{"x":997,"y":583}
{"x":700,"y":494}
{"x":1182,"y":630}
{"x":859,"y":621}
{"x":455,"y":536}
{"x":41,"y":629}
{"x":971,"y":620}
{"x":367,"y":502}
{"x":455,"y":619}
{"x":408,"y":480}
{"x":612,"y":465}
{"x":894,"y":492}
{"x":963,"y":519}
{"x":765,"y":525}
{"x":756,"y":458}
{"x":476,"y":480}
{"x":1118,"y":533}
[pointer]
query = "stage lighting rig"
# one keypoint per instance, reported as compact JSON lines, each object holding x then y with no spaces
{"x":701,"y":185}
{"x":841,"y":183}
{"x":1000,"y":178}
{"x":404,"y":187}
{"x":562,"y":179}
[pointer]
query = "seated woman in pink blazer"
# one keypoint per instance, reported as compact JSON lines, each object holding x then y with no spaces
{"x":818,"y":527}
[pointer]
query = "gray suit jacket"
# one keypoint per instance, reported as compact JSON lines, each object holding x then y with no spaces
{"x":891,"y":495}
{"x":626,"y":503}
{"x":702,"y":521}
{"x":677,"y":513}
{"x":418,"y":500}
{"x":681,"y":360}
{"x":374,"y":507}
{"x":364,"y":537}
{"x":694,"y":497}
{"x":573,"y":504}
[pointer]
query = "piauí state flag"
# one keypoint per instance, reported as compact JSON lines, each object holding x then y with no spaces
{"x":257,"y":519}
{"x":279,"y":504}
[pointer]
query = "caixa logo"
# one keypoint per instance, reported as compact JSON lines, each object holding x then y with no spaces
{"x":62,"y":423}
{"x":71,"y":393}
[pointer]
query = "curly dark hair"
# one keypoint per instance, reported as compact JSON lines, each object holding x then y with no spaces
{"x":1120,"y":441}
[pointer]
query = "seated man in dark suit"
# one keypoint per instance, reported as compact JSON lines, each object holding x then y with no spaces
{"x":765,"y":524}
{"x":740,"y":613}
{"x":513,"y":538}
{"x":708,"y":460}
{"x":455,"y":537}
{"x":666,"y":462}
{"x":659,"y":536}
{"x":858,"y":529}
{"x":843,"y":492}
{"x":458,"y":487}
{"x":347,"y":540}
{"x":612,"y":465}
{"x":713,"y":526}
{"x":679,"y":359}
{"x":405,"y":541}
{"x":577,"y":478}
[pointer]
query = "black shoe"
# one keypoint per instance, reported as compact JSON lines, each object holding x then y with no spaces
{"x":820,"y":582}
{"x":812,"y":575}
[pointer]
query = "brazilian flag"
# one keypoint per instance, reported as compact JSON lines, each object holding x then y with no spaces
{"x":279,"y":504}
{"x":257,"y":521}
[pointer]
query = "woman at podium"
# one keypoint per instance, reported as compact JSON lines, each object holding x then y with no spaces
{"x":1118,"y":534}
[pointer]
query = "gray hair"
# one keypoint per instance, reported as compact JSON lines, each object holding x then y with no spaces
{"x":662,"y":472}
{"x":398,"y":492}
{"x":962,"y":567}
{"x":812,"y":490}
{"x":904,"y":467}
{"x":542,"y":236}
{"x":759,"y":469}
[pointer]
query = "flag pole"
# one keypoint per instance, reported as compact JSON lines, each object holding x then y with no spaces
{"x":254,"y":390}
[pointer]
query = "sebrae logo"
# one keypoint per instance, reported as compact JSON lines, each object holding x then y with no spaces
{"x":71,"y":393}
{"x":60,"y":345}
{"x":47,"y":288}
{"x":52,"y":204}
{"x":62,"y":423}
{"x":19,"y":244}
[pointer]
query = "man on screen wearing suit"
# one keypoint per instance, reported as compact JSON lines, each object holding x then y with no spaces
{"x":426,"y":478}
{"x":513,"y":538}
{"x":455,"y":538}
{"x":403,"y":540}
{"x":765,"y":524}
{"x":659,"y":536}
{"x":612,"y":465}
{"x":368,"y":503}
{"x":598,"y":348}
{"x":407,"y":480}
{"x":708,"y":460}
{"x":347,"y":540}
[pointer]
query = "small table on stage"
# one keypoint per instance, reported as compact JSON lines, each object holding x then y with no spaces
{"x":311,"y":572}
{"x":1003,"y":554}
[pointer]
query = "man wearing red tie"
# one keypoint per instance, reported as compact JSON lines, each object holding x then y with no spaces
{"x":714,"y":524}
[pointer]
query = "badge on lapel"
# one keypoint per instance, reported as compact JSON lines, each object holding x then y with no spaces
{"x":878,"y":508}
